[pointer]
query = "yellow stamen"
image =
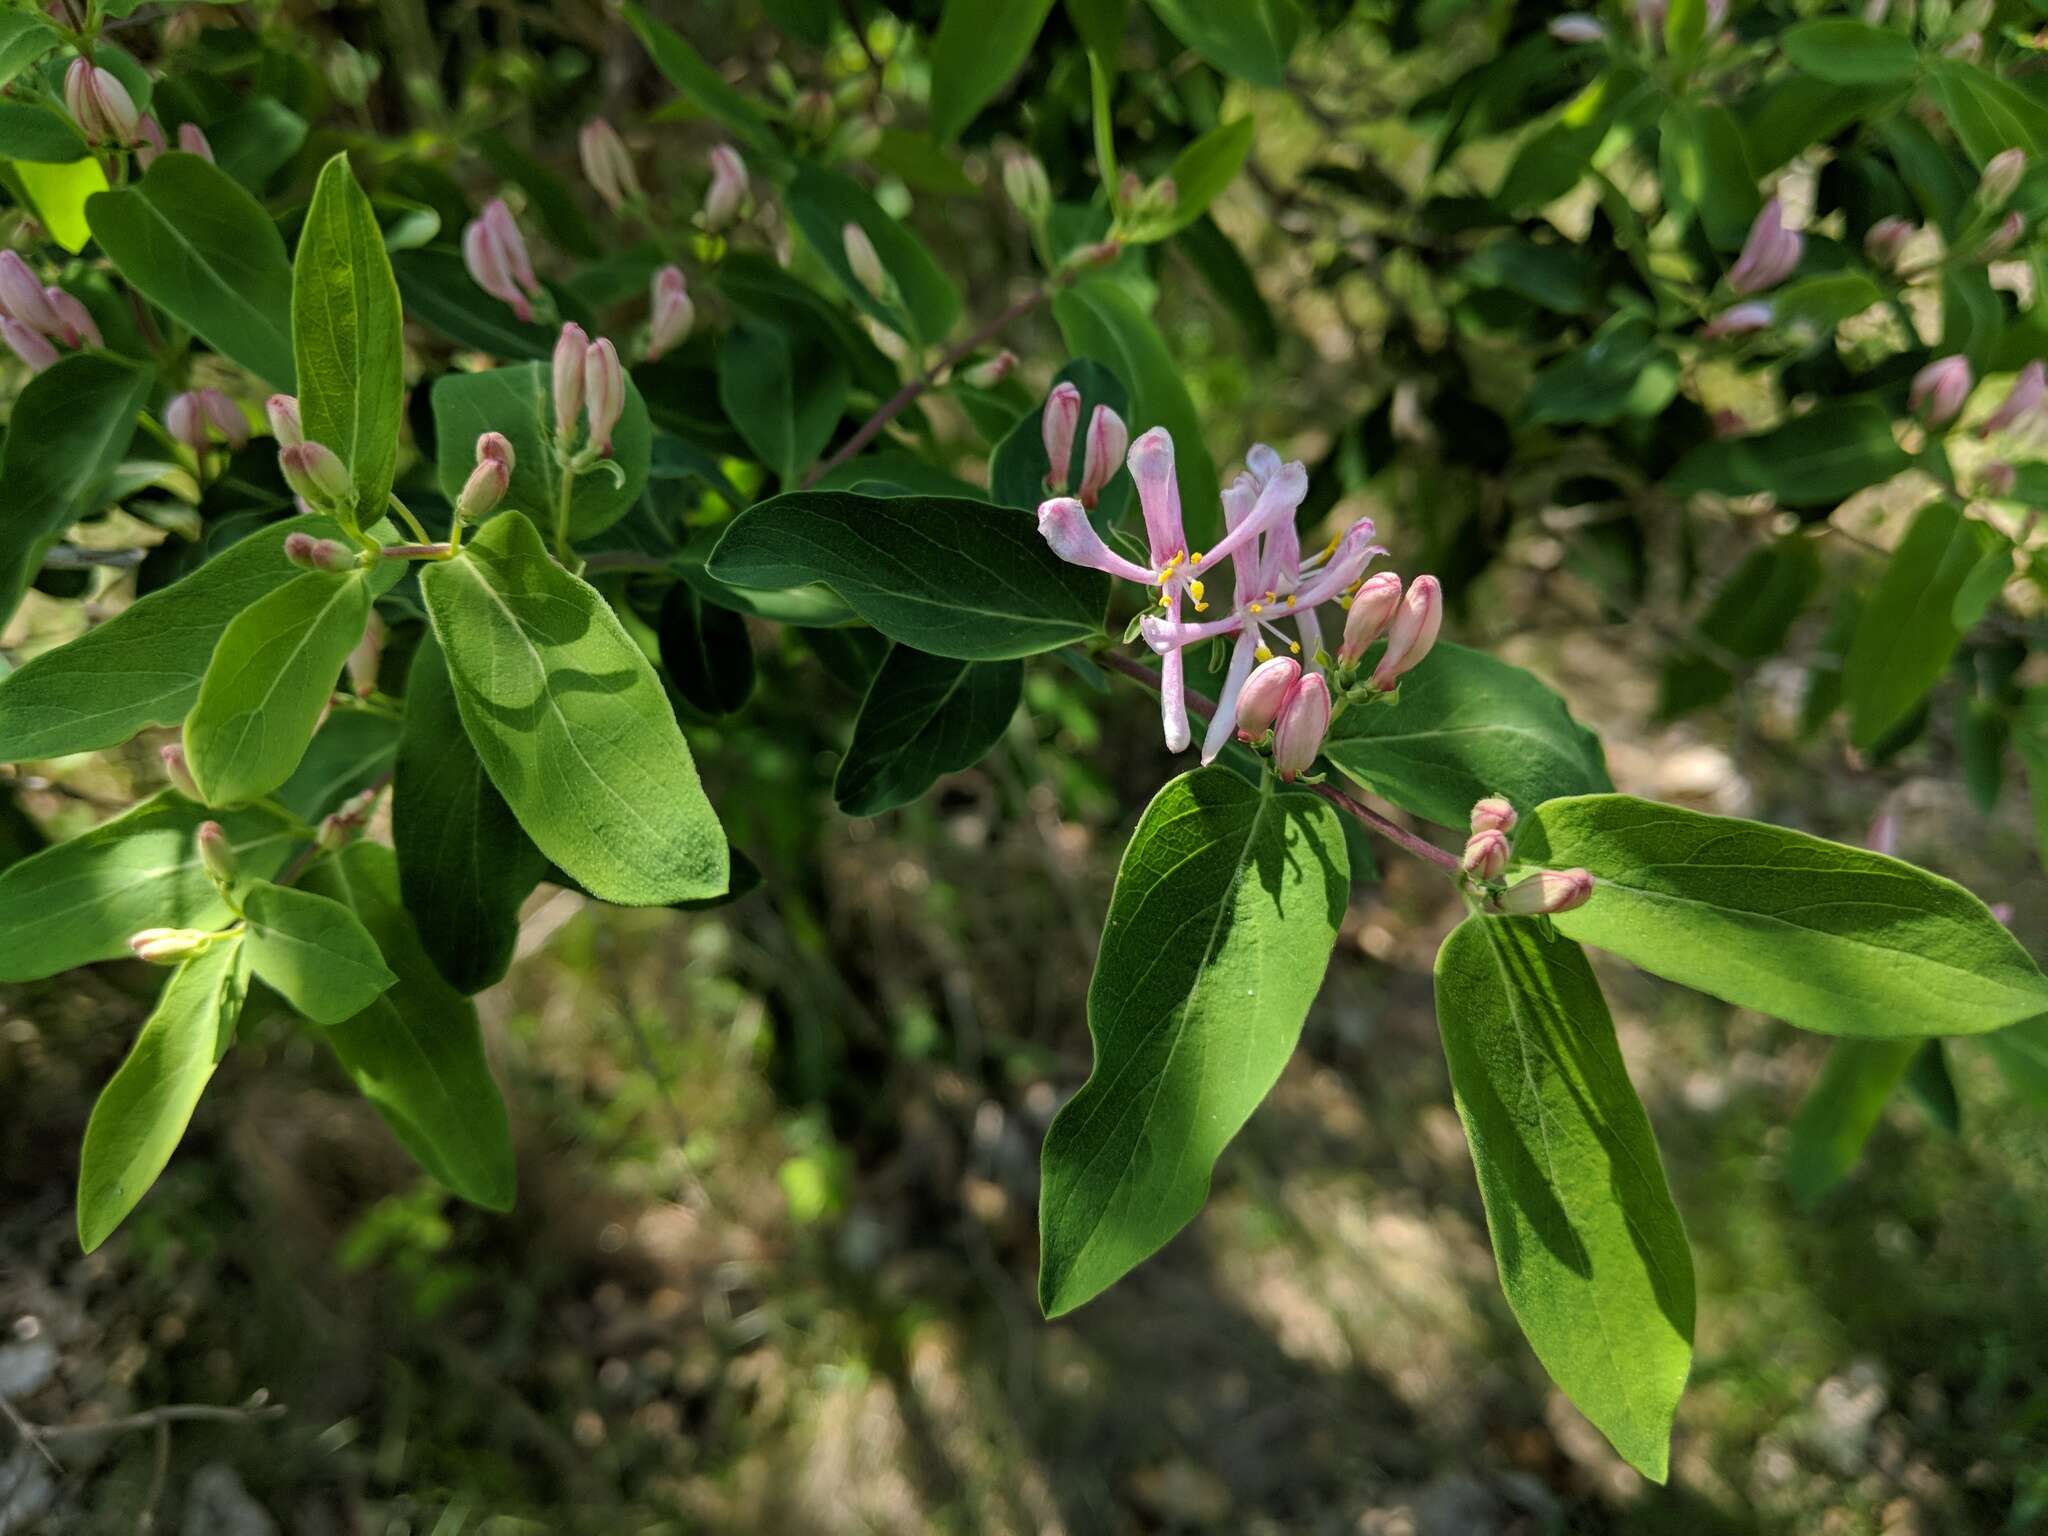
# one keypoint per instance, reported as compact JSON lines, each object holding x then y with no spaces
{"x":1263,"y":653}
{"x":1290,"y":599}
{"x":1294,"y":646}
{"x":1195,"y":558}
{"x":1195,"y":590}
{"x":1256,"y":607}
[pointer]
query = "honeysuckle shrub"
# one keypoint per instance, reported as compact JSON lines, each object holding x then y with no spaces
{"x":413,"y":493}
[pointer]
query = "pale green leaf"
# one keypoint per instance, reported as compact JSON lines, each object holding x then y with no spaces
{"x":1842,"y":1109}
{"x":1908,"y":631}
{"x":313,"y":952}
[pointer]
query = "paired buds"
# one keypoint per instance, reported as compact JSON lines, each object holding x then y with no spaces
{"x":1108,"y":439}
{"x":149,"y":141}
{"x":588,"y":381}
{"x":33,"y":318}
{"x":316,"y":474}
{"x":1294,"y":705}
{"x":489,"y":481}
{"x":1487,"y":850}
{"x":195,"y":415}
{"x":311,"y":554}
{"x":607,"y":165}
{"x":345,"y":825}
{"x":670,"y":313}
{"x":495,"y":253}
{"x":1411,"y":631}
{"x":100,"y":104}
{"x":727,"y":193}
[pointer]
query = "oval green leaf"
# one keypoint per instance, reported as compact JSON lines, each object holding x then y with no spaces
{"x":924,"y":717}
{"x":980,"y":44}
{"x":313,"y":952}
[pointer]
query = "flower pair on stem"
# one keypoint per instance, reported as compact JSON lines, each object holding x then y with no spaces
{"x":36,"y":319}
{"x":1488,"y":852}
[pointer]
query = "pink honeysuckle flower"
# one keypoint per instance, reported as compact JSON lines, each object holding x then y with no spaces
{"x":1769,"y":253}
{"x":495,"y":253}
{"x":75,"y":324}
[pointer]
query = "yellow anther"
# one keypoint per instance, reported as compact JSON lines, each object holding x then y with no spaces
{"x":1264,"y":652}
{"x":1195,"y":558}
{"x":1195,"y":590}
{"x":1294,"y":646}
{"x":1200,"y":606}
{"x":1256,"y":607}
{"x":1290,"y":599}
{"x":1166,"y":602}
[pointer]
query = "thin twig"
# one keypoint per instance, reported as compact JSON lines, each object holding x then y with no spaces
{"x":159,"y":1476}
{"x":68,"y":557}
{"x":624,"y":560}
{"x":170,"y":1413}
{"x":30,"y":1435}
{"x":1421,"y":847}
{"x":899,"y":402}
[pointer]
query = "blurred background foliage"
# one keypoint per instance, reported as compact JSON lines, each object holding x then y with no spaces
{"x":771,"y":1269}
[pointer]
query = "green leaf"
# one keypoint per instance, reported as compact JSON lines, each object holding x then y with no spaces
{"x":192,"y":241}
{"x":24,"y":38}
{"x":439,"y":292}
{"x":1550,"y":163}
{"x":1847,"y":52}
{"x":1823,"y":301}
{"x":1250,"y":39}
{"x":416,"y":1052}
{"x":920,"y":164}
{"x":1018,"y":468}
{"x":1230,"y":278}
{"x":1199,"y":174}
{"x":1795,"y":112}
{"x":64,"y":436}
{"x":762,"y":291}
{"x":1824,"y":936}
{"x":142,"y":667}
{"x":698,"y":81}
{"x":1841,"y":1110}
{"x":1099,"y":320}
{"x":1591,"y":1251}
{"x":1225,"y":910}
{"x":37,"y":132}
{"x":1625,"y":370}
{"x":2022,"y":1056}
{"x":924,"y":717}
{"x":348,"y":336}
{"x":1102,"y":25}
{"x":58,"y":195}
{"x":465,"y":864}
{"x":953,"y":577}
{"x":257,"y":140}
{"x":1705,"y":171}
{"x":78,"y":901}
{"x":1988,"y":114}
{"x":519,"y":402}
{"x":1907,"y":634}
{"x":313,"y":952}
{"x":353,"y":749}
{"x":823,"y":202}
{"x":570,"y":721}
{"x":270,"y":678}
{"x":1819,"y":459}
{"x":142,"y":1113}
{"x":810,"y":20}
{"x":1558,"y":276}
{"x":706,"y":652}
{"x":1468,"y":725}
{"x":980,"y":44}
{"x":1748,"y":619}
{"x":784,"y":393}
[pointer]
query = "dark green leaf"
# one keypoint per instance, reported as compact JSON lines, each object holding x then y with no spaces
{"x":1841,"y":1110}
{"x":1250,"y":39}
{"x":924,"y":717}
{"x":352,"y":750}
{"x":1848,"y":52}
{"x":1625,"y":370}
{"x":439,"y":291}
{"x":979,"y":45}
{"x":823,"y":202}
{"x":705,"y":651}
{"x":1748,"y":620}
{"x":697,"y":80}
{"x":1819,"y":459}
{"x":39,"y":133}
{"x":1199,"y":174}
{"x":784,"y":394}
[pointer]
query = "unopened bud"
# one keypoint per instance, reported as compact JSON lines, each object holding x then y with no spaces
{"x":496,"y":447}
{"x":170,"y":946}
{"x":24,"y":298}
{"x":2001,"y":178}
{"x":1057,"y":426}
{"x":1303,"y":723}
{"x":192,"y":139}
{"x":1769,"y":254}
{"x":1493,"y":814}
{"x":216,"y":852}
{"x":1577,"y":27}
{"x":32,"y":347}
{"x":1997,"y":479}
{"x":607,"y":165}
{"x":1739,"y":320}
{"x":992,"y":371}
{"x":604,"y":392}
{"x":1027,"y":186}
{"x":1940,"y":390}
{"x":728,"y":189}
{"x":494,"y":251}
{"x":1264,"y":691}
{"x":1553,"y":890}
{"x":178,"y":771}
{"x":1372,"y":607}
{"x":283,"y":411}
{"x":572,"y":351}
{"x":484,"y":489}
{"x":345,"y":825}
{"x":1412,"y":631}
{"x":225,"y":417}
{"x":311,"y":554}
{"x":2005,"y":237}
{"x":670,"y":313}
{"x":1108,"y":438}
{"x":1968,"y":48}
{"x":1486,"y":854}
{"x":2021,"y":401}
{"x":864,"y":261}
{"x":1101,"y":254}
{"x":75,"y":324}
{"x":99,"y":103}
{"x":314,"y":471}
{"x":149,"y":140}
{"x":1885,"y":239}
{"x":185,"y":420}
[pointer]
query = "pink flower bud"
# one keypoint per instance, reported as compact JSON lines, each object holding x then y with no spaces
{"x":1372,"y":605}
{"x":1264,"y":691}
{"x":670,"y":313}
{"x":513,"y":243}
{"x":1577,"y":27}
{"x":75,"y":324}
{"x":170,"y":946}
{"x":1885,"y":239}
{"x":99,"y":103}
{"x":1553,"y":890}
{"x":22,"y":296}
{"x":1108,"y":438}
{"x":1940,"y":390}
{"x":495,"y":253}
{"x":1412,"y":631}
{"x":1303,"y":723}
{"x":990,"y":372}
{"x":606,"y":164}
{"x":1062,"y":419}
{"x":728,"y":188}
{"x":1737,"y":321}
{"x":311,"y":554}
{"x":2005,"y":237}
{"x":1486,"y":854}
{"x":177,"y":770}
{"x":1769,"y":254}
{"x":2021,"y":401}
{"x":1997,"y":479}
{"x":604,"y":392}
{"x":496,"y":448}
{"x":283,"y":411}
{"x":864,"y":261}
{"x":149,"y":141}
{"x":572,"y":350}
{"x":32,"y":347}
{"x":1493,"y":814}
{"x":225,"y":417}
{"x":216,"y":852}
{"x":314,"y":471}
{"x":484,"y":489}
{"x":192,"y":139}
{"x":2001,"y":178}
{"x":185,"y":420}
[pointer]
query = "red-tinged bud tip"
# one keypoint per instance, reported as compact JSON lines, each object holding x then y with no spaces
{"x":1303,"y":723}
{"x":178,"y":771}
{"x":1494,"y":814}
{"x":1058,"y":425}
{"x":283,"y":411}
{"x":495,"y":447}
{"x":1264,"y":691}
{"x":1545,"y":894}
{"x":314,"y":471}
{"x":311,"y":554}
{"x":1486,"y":854}
{"x":216,"y":852}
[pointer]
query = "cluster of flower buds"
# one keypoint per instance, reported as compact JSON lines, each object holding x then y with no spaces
{"x":726,"y":197}
{"x":865,"y":262}
{"x":1489,"y":851}
{"x":170,"y":946}
{"x":489,"y":481}
{"x":1293,"y":706}
{"x":35,"y":319}
{"x":100,"y":104}
{"x":588,"y":382}
{"x":311,"y":554}
{"x":607,"y":165}
{"x":670,"y":314}
{"x":1027,"y":186}
{"x":1108,"y":440}
{"x":2022,"y":403}
{"x":1410,"y":620}
{"x":495,"y":253}
{"x":1940,"y":390}
{"x":194,"y":416}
